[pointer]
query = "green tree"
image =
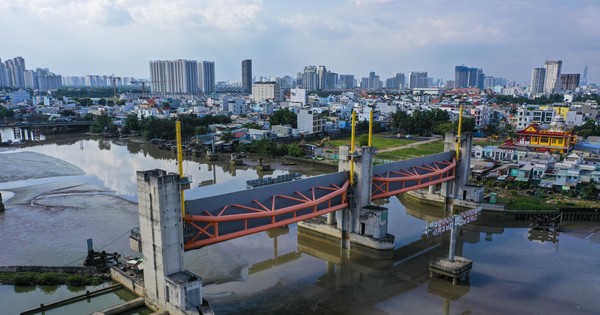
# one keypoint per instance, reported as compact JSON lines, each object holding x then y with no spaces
{"x":67,"y":112}
{"x":363,"y":140}
{"x":468,"y":125}
{"x":588,"y":129}
{"x":252,"y":126}
{"x":226,"y":136}
{"x":284,"y":117}
{"x":86,"y":101}
{"x":6,"y":113}
{"x":294,"y":150}
{"x":102,"y":102}
{"x":201,"y":130}
{"x":132,"y":123}
{"x":444,"y":128}
{"x":102,"y":123}
{"x":589,"y":192}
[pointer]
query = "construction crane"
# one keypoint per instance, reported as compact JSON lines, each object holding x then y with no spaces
{"x":114,"y":84}
{"x":143,"y":83}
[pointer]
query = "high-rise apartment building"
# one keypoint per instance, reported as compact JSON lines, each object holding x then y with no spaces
{"x":538,"y":77}
{"x":552,"y":79}
{"x":373,"y":82}
{"x":3,"y":75}
{"x":347,"y":81}
{"x":265,"y":91}
{"x":333,"y":80}
{"x":417,"y":80}
{"x":396,"y":82}
{"x":584,"y":81}
{"x":468,"y":77}
{"x":15,"y":72}
{"x":207,"y":77}
{"x":247,"y":75}
{"x":310,"y":79}
{"x":322,"y":78}
{"x":569,"y":82}
{"x":174,"y":76}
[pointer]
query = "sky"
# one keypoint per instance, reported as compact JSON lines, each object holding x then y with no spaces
{"x":506,"y":38}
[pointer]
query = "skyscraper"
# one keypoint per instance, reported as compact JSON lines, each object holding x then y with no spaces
{"x":3,"y":76}
{"x":552,"y":79}
{"x":322,"y":78}
{"x":14,"y":72}
{"x":247,"y":75}
{"x":174,"y":76}
{"x":468,"y":77}
{"x":417,"y":80}
{"x":310,"y":78}
{"x":396,"y":82}
{"x":538,"y":75}
{"x":569,"y":82}
{"x":207,"y":77}
{"x":347,"y":81}
{"x":583,"y":81}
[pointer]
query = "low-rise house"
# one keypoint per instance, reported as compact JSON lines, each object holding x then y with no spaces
{"x":524,"y":173}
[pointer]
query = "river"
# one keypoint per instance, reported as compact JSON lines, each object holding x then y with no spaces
{"x":284,"y":270}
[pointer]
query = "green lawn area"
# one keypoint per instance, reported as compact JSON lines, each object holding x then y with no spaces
{"x":515,"y":201}
{"x":379,"y":141}
{"x":417,"y":151}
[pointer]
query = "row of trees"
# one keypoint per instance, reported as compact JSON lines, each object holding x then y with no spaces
{"x":6,"y":113}
{"x":425,"y":122}
{"x":590,"y":128}
{"x":165,"y":128}
{"x":87,"y":92}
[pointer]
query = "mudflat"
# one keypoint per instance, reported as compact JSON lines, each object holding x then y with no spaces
{"x":16,"y":166}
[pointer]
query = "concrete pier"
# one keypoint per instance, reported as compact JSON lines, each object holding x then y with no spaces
{"x":362,"y":226}
{"x":456,"y":269}
{"x":166,"y":283}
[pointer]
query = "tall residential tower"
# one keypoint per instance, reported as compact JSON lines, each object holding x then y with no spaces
{"x":247,"y":75}
{"x":552,"y":80}
{"x":207,"y":77}
{"x":538,"y":75}
{"x":174,"y":76}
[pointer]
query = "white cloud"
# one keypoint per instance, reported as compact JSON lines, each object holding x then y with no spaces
{"x":162,"y":14}
{"x":283,"y":36}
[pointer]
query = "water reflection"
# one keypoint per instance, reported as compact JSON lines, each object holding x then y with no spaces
{"x":114,"y":163}
{"x":24,"y":288}
{"x":18,"y":134}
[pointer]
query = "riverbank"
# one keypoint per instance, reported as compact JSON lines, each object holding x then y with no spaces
{"x":18,"y":166}
{"x":50,"y":278}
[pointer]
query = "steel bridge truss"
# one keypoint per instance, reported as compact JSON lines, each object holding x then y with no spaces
{"x":410,"y":177}
{"x":217,"y":219}
{"x":220,"y":218}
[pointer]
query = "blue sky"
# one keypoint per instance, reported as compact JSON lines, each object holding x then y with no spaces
{"x":507,"y":38}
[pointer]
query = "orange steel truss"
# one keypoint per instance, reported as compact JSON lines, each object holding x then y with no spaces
{"x":395,"y":182}
{"x":249,"y":219}
{"x":221,"y":223}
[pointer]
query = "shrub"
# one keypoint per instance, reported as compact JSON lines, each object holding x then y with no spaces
{"x":24,"y":279}
{"x":49,"y":279}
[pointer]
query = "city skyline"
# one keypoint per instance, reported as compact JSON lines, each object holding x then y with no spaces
{"x":505,"y":38}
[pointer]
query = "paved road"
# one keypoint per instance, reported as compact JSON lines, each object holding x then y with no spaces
{"x":410,"y":145}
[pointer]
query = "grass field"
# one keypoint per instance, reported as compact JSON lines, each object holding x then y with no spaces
{"x":379,"y":141}
{"x":416,"y":151}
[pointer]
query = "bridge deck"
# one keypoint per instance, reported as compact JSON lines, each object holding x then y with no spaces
{"x":220,"y":218}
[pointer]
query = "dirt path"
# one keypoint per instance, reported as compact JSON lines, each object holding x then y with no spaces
{"x":410,"y":145}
